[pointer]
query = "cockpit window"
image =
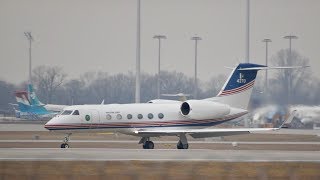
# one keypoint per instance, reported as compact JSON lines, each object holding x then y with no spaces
{"x":66,"y":112}
{"x":76,"y":112}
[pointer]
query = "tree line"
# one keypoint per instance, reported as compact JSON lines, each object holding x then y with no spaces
{"x":52,"y":86}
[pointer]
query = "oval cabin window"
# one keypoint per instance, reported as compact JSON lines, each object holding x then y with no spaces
{"x":160,"y":115}
{"x":150,"y":115}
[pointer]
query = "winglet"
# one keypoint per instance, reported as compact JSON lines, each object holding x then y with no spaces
{"x":289,"y":119}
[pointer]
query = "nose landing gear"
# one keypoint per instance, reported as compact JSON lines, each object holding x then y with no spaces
{"x":65,"y":141}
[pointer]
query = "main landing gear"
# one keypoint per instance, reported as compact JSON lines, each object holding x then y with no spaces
{"x":182,"y":146}
{"x":65,"y":141}
{"x":183,"y":142}
{"x":146,"y":143}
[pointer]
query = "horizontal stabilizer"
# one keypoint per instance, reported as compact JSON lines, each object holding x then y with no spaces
{"x":268,"y":68}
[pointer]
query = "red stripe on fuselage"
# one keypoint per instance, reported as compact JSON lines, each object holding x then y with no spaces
{"x":142,"y":124}
{"x":237,"y":90}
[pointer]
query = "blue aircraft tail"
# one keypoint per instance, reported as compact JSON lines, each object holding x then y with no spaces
{"x":29,"y":103}
{"x":33,"y":97}
{"x":237,"y":90}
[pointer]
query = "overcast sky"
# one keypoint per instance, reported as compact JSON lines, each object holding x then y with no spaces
{"x":100,"y":35}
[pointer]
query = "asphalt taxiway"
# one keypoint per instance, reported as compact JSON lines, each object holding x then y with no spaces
{"x":107,"y":154}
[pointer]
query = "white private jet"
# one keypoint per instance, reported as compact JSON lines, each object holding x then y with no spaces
{"x":167,"y":117}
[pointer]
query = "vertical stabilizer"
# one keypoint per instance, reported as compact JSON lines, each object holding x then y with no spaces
{"x":22,"y":100}
{"x":237,"y":90}
{"x":33,"y":97}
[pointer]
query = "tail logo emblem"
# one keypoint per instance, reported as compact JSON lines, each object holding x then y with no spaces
{"x":241,"y":79}
{"x":32,"y":95}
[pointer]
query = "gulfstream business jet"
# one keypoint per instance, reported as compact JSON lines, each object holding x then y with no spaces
{"x":167,"y":117}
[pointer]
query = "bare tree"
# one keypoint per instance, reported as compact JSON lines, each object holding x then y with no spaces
{"x":47,"y":80}
{"x":6,"y":95}
{"x":290,"y":84}
{"x":214,"y":85}
{"x":74,"y":90}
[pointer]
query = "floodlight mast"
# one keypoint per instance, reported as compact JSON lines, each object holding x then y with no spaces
{"x":247,"y":58}
{"x":196,"y":39}
{"x":137,"y":92}
{"x":30,"y":39}
{"x":159,"y":37}
{"x":290,"y":37}
{"x":266,"y":75}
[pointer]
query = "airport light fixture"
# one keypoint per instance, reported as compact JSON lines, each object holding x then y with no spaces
{"x":266,"y":76}
{"x":195,"y":39}
{"x":137,"y":91}
{"x":247,"y":32}
{"x":30,"y":39}
{"x":290,"y":37}
{"x":159,"y":37}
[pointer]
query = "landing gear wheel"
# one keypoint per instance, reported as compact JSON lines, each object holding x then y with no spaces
{"x":182,"y":146}
{"x":64,"y":145}
{"x":65,"y":141}
{"x":148,"y":145}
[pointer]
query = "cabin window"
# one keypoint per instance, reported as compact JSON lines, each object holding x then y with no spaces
{"x":160,"y":115}
{"x":140,"y":116}
{"x":129,"y":116}
{"x":119,"y":116}
{"x":150,"y":115}
{"x":66,"y":112}
{"x":76,"y":112}
{"x":108,"y":117}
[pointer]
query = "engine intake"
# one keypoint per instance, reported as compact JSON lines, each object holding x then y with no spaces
{"x":185,"y":108}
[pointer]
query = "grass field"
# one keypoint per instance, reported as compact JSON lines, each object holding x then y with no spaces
{"x":156,"y":170}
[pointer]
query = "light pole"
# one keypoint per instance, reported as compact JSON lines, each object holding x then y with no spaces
{"x":159,"y":37}
{"x":266,"y":76}
{"x":196,"y":39}
{"x":290,"y":37}
{"x":137,"y":92}
{"x":247,"y":58}
{"x":30,"y":39}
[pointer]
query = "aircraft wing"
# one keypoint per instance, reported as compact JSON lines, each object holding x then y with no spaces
{"x":206,"y":132}
{"x":201,"y":133}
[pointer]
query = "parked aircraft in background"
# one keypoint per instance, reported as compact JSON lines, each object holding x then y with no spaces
{"x":36,"y":102}
{"x":167,"y":117}
{"x":29,"y":106}
{"x":307,"y":114}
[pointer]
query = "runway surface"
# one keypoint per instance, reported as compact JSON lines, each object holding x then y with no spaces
{"x":106,"y":154}
{"x":161,"y":142}
{"x":21,"y":126}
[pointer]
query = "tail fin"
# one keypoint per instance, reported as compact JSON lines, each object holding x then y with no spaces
{"x":22,"y":100}
{"x":237,"y":90}
{"x":33,"y":97}
{"x":26,"y":105}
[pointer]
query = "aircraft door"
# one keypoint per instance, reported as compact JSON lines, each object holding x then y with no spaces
{"x":86,"y":117}
{"x":95,"y":116}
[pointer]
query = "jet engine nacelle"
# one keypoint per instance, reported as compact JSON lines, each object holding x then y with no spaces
{"x":200,"y":109}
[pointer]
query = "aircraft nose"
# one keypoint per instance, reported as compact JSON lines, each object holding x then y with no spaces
{"x":50,"y":124}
